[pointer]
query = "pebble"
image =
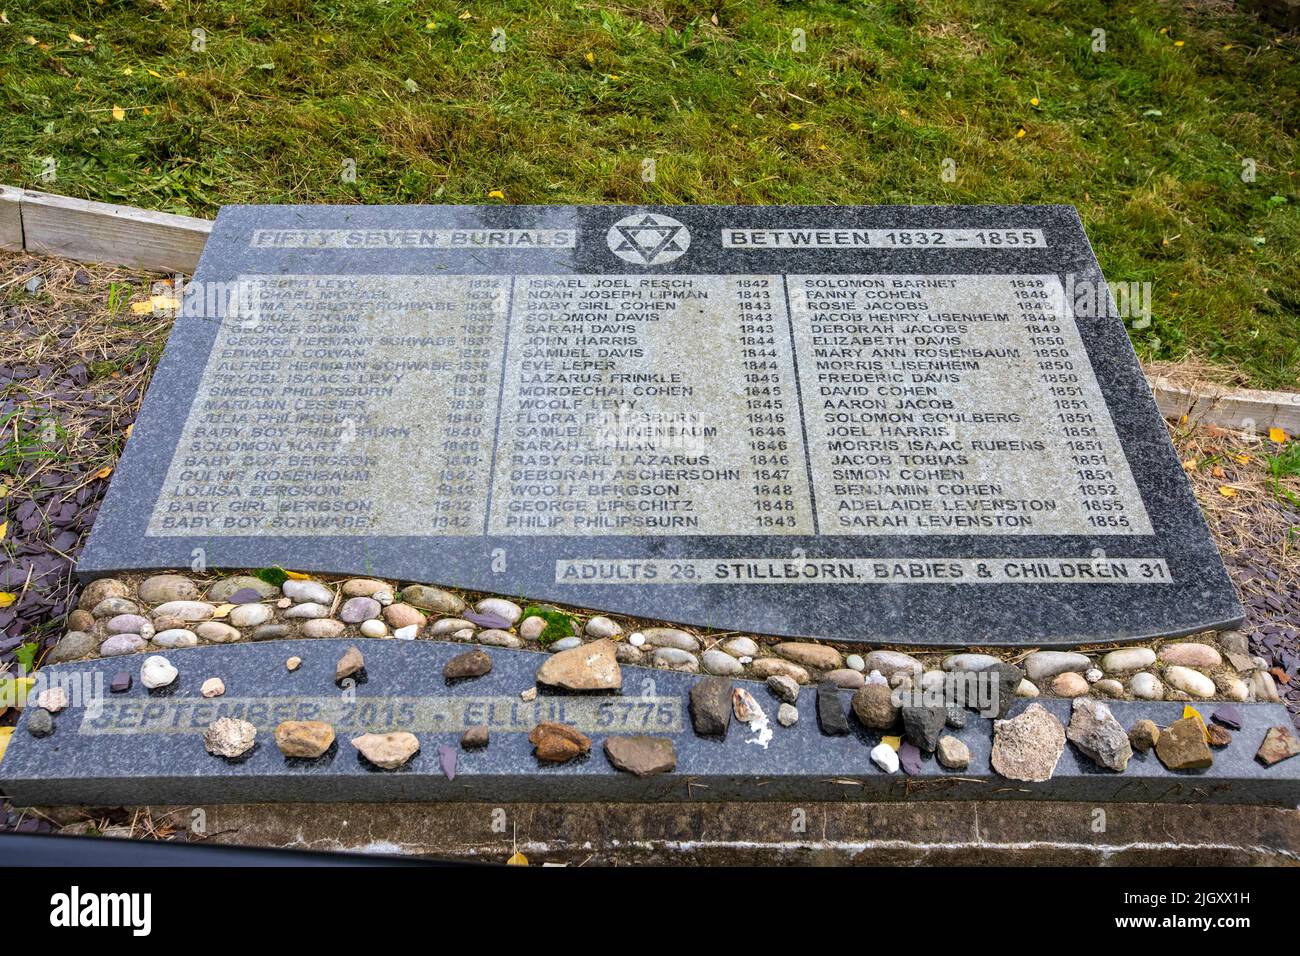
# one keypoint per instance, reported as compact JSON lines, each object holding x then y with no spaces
{"x":601,"y":626}
{"x":162,"y":588}
{"x":409,"y":633}
{"x":474,"y":663}
{"x":323,"y":627}
{"x":293,"y":663}
{"x":720,"y":662}
{"x":1069,"y":684}
{"x":1092,"y":675}
{"x":40,"y":723}
{"x":509,"y":610}
{"x":432,"y":599}
{"x":741,"y":647}
{"x":307,"y":592}
{"x":890,"y":663}
{"x":1232,"y":687}
{"x":1146,"y":686}
{"x":53,"y":699}
{"x":671,"y":637}
{"x":1028,"y":747}
{"x":627,"y":654}
{"x":176,"y":637}
{"x":307,"y":739}
{"x":855,"y":662}
{"x":213,"y":687}
{"x":1098,"y":735}
{"x":1128,"y":659}
{"x":846,"y":677}
{"x":1026,"y":688}
{"x":815,"y":656}
{"x":121,"y":683}
{"x":157,"y":671}
{"x":783,"y":688}
{"x":558,"y":743}
{"x":531,"y":629}
{"x":969,"y":662}
{"x":923,"y":725}
{"x":765,"y":667}
{"x":589,"y":667}
{"x":350,"y":663}
{"x":404,"y":615}
{"x":636,"y":640}
{"x":250,"y":615}
{"x":217,"y":632}
{"x":1191,"y":655}
{"x":875,"y":677}
{"x":1189,"y":681}
{"x":475,"y":738}
{"x":529,"y":695}
{"x":498,"y":638}
{"x":448,"y":625}
{"x":1143,"y":735}
{"x":675,"y":659}
{"x":787,"y":715}
{"x":642,"y":756}
{"x":270,"y":632}
{"x":952,"y":753}
{"x":831,"y":715}
{"x":563,"y":644}
{"x":221,"y":591}
{"x":120,"y":644}
{"x":228,"y":737}
{"x":358,"y":609}
{"x":363,"y":587}
{"x":79,"y":620}
{"x":387,"y":751}
{"x":1042,"y":665}
{"x":99,"y":589}
{"x":465,"y":634}
{"x":129,"y":624}
{"x":73,"y":645}
{"x":1110,"y":687}
{"x":874,"y":707}
{"x":308,"y":609}
{"x":111,"y":607}
{"x":1234,"y":642}
{"x":884,"y":757}
{"x":710,"y":705}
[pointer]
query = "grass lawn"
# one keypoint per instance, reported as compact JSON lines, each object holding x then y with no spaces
{"x":1147,"y":138}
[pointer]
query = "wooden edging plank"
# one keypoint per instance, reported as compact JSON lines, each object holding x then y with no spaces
{"x":101,"y":232}
{"x":11,"y":219}
{"x":161,"y":242}
{"x":1241,"y":409}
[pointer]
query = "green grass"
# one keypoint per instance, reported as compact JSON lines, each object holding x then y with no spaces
{"x":1147,"y":139}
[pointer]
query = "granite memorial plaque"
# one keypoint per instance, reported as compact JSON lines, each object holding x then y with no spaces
{"x":916,"y":424}
{"x":147,"y":747}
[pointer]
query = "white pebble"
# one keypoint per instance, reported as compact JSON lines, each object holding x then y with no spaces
{"x":637,"y":639}
{"x":407,"y":633}
{"x":883,"y":756}
{"x":157,"y":671}
{"x":373,"y":628}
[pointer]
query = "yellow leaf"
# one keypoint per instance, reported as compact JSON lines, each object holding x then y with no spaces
{"x":1227,"y":491}
{"x":14,"y":690}
{"x":142,"y":308}
{"x":1278,"y":436}
{"x":104,"y":472}
{"x":127,"y":71}
{"x":30,"y":41}
{"x":119,"y":114}
{"x":591,"y":58}
{"x":297,"y":576}
{"x":893,"y":742}
{"x":496,"y":194}
{"x":4,"y":491}
{"x":1190,"y":464}
{"x":221,"y":610}
{"x":1178,"y":43}
{"x":7,"y":598}
{"x":76,"y":39}
{"x":6,"y":734}
{"x":155,"y":73}
{"x":1193,"y":713}
{"x":4,"y":528}
{"x":1020,"y":132}
{"x":1242,"y":459}
{"x":466,"y":16}
{"x":518,"y":859}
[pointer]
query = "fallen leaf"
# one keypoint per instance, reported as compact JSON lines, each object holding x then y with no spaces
{"x":119,"y":114}
{"x":1218,"y":472}
{"x":6,"y":733}
{"x":1227,"y":491}
{"x":76,"y":39}
{"x":1277,"y":436}
{"x":297,"y":576}
{"x":893,"y":742}
{"x":496,"y":194}
{"x":518,"y":859}
{"x":1195,"y":714}
{"x":7,"y":598}
{"x":104,"y":472}
{"x":221,"y":610}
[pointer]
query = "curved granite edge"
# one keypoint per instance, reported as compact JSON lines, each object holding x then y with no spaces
{"x":146,"y":747}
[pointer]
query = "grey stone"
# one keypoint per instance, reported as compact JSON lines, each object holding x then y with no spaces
{"x":720,"y":662}
{"x":1098,"y":735}
{"x":307,"y":592}
{"x":600,"y":626}
{"x":784,"y":688}
{"x":584,"y":547}
{"x":1027,"y":747}
{"x":1008,"y":677}
{"x":358,"y":609}
{"x":432,"y":599}
{"x":71,"y":646}
{"x":923,"y":725}
{"x":161,"y":588}
{"x":970,"y":662}
{"x":675,"y":659}
{"x":671,"y":637}
{"x":229,"y":737}
{"x":830,"y":710}
{"x":787,"y":715}
{"x":952,"y":753}
{"x":120,"y":644}
{"x":219,"y":592}
{"x":890,"y":663}
{"x":39,"y":722}
{"x":711,"y":706}
{"x":741,"y":647}
{"x":271,"y":632}
{"x":563,"y":644}
{"x":1044,"y":665}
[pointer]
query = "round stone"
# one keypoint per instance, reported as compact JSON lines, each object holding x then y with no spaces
{"x":39,"y":723}
{"x":1146,"y":686}
{"x":157,"y":671}
{"x":432,"y":599}
{"x":1191,"y":655}
{"x":500,"y":607}
{"x":251,"y":615}
{"x":406,"y":633}
{"x":308,"y":609}
{"x":111,"y":607}
{"x":784,"y":688}
{"x":188,"y":611}
{"x":120,"y":644}
{"x":213,"y":687}
{"x":671,"y":637}
{"x":846,"y":677}
{"x":741,"y":647}
{"x":73,"y":645}
{"x":531,"y":629}
{"x":855,"y":662}
{"x":323,"y":627}
{"x":222,"y":591}
{"x":675,"y":659}
{"x":1026,"y":688}
{"x":884,"y":757}
{"x":358,"y":609}
{"x":969,"y":662}
{"x":293,"y":663}
{"x":1110,"y":687}
{"x":815,"y":656}
{"x":1092,"y":675}
{"x":636,"y":640}
{"x":599,"y":627}
{"x":53,"y":699}
{"x":307,"y":592}
{"x":403,"y":615}
{"x":563,"y":644}
{"x":176,"y":637}
{"x":1128,"y":659}
{"x":892,"y":662}
{"x":363,"y":587}
{"x":721,"y":663}
{"x":99,"y":589}
{"x":498,"y":638}
{"x":1069,"y":684}
{"x":787,"y":715}
{"x":128,"y":624}
{"x":80,"y":620}
{"x":448,"y":625}
{"x":271,"y":632}
{"x":374,"y":629}
{"x":873,"y":705}
{"x":765,"y":667}
{"x":162,"y":588}
{"x":217,"y":632}
{"x":1043,"y":665}
{"x":1189,"y":681}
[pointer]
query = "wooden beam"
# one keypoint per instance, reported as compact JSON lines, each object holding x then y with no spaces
{"x":11,"y":219}
{"x":122,"y":235}
{"x":1241,"y":409}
